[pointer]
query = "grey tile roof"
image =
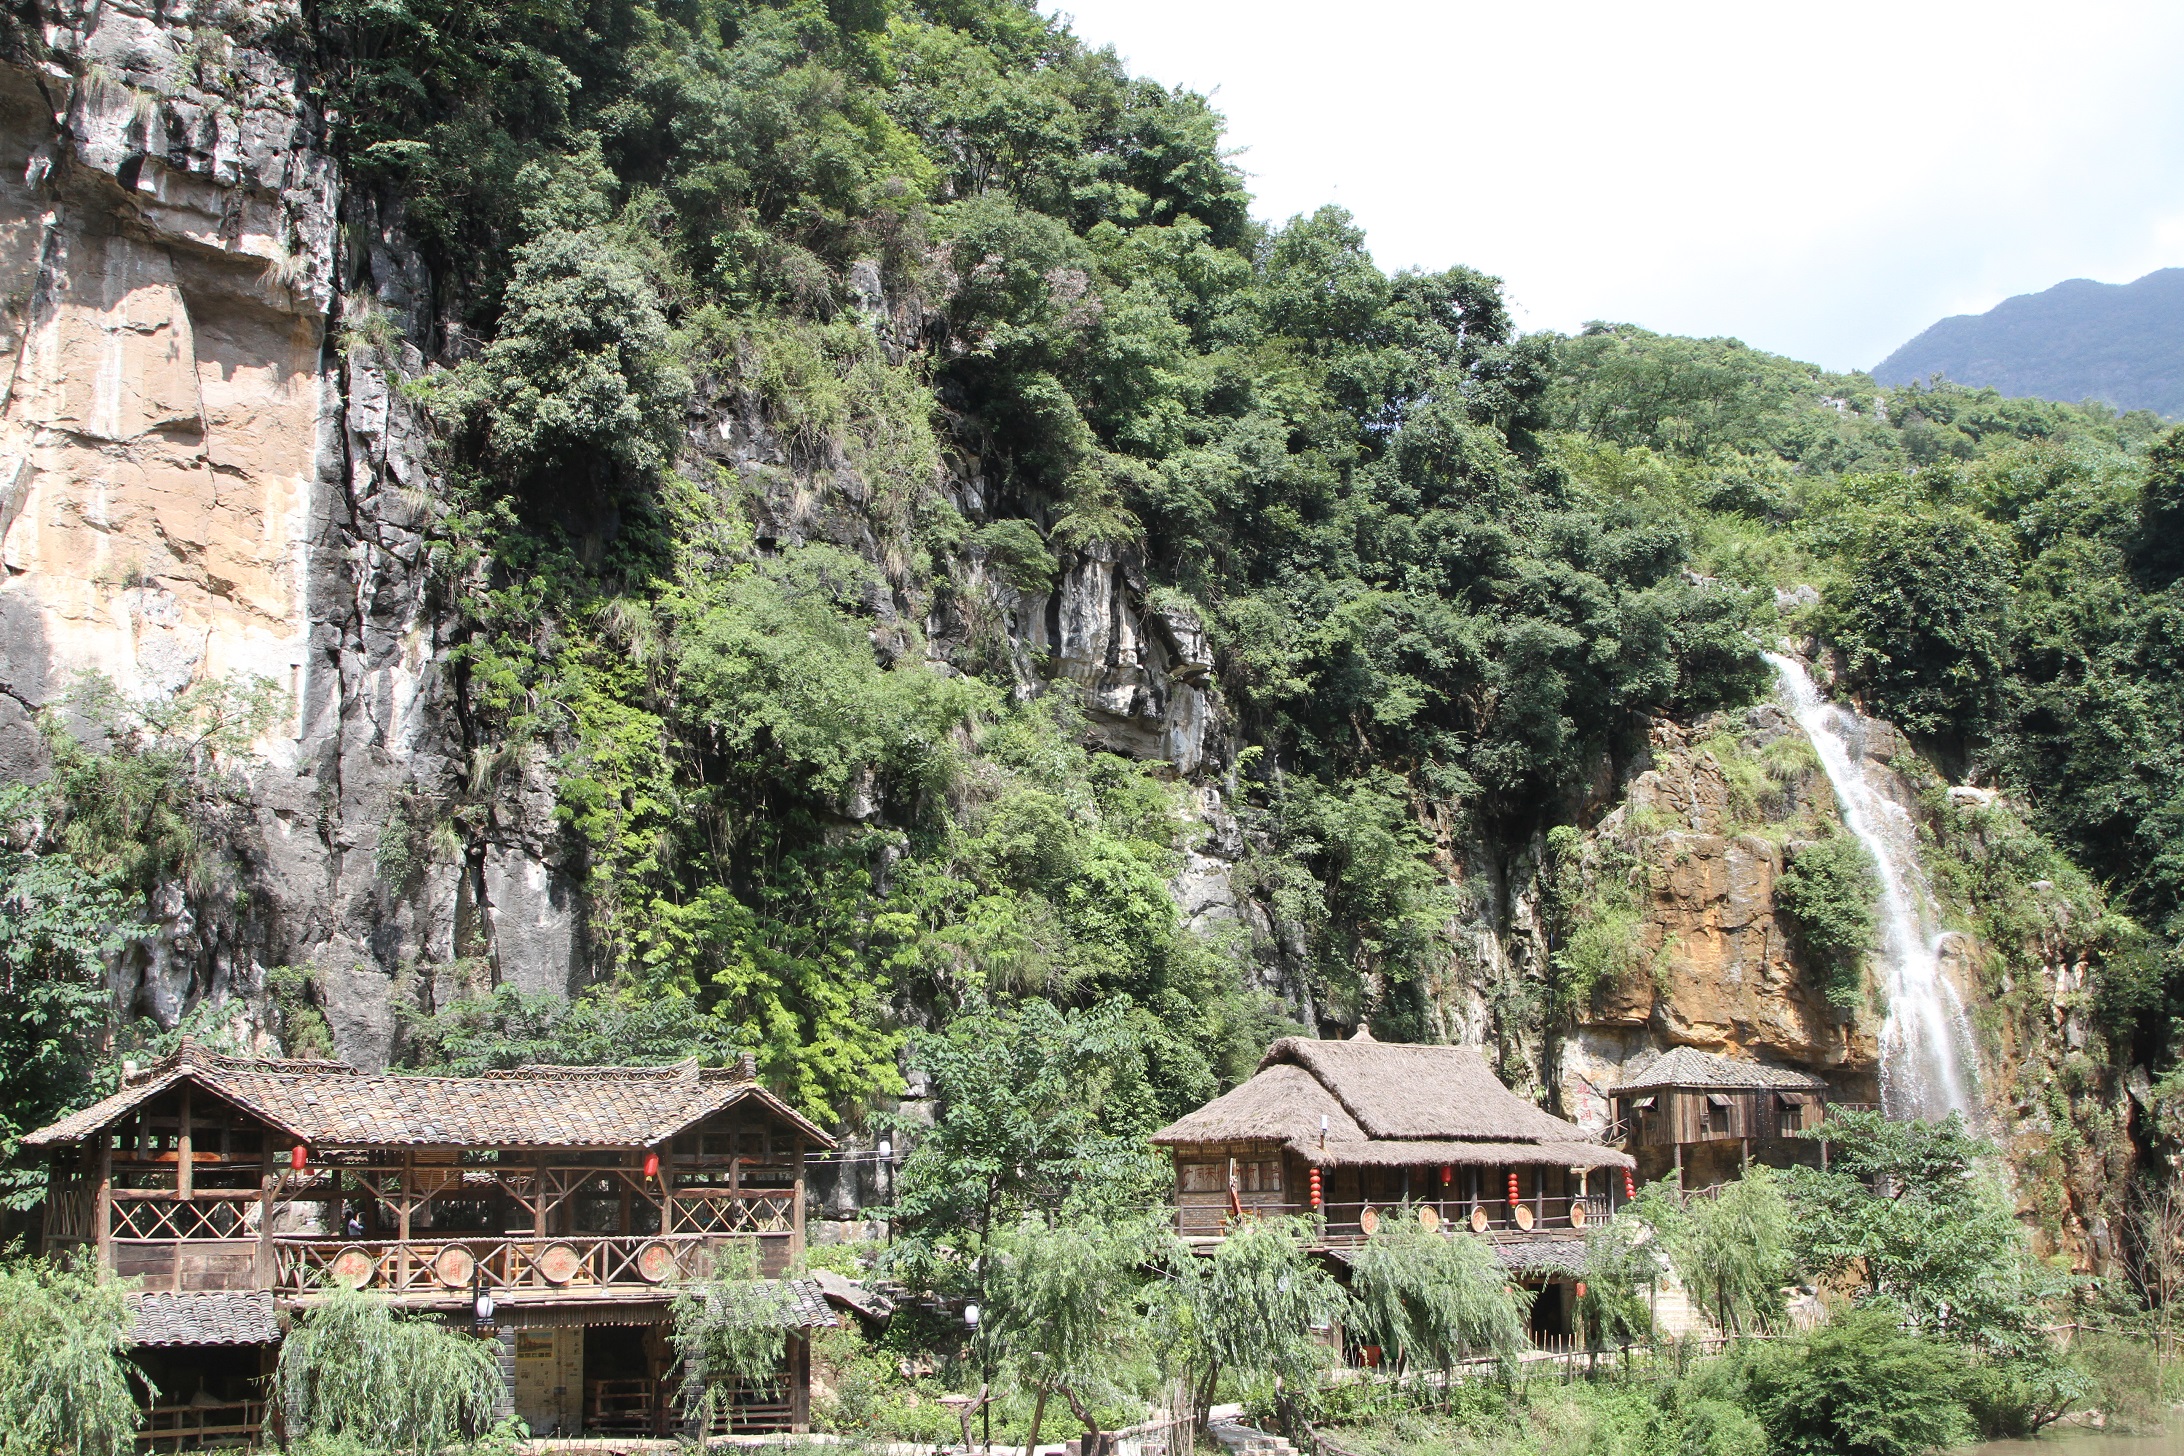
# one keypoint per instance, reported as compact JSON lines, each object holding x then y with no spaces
{"x":333,"y":1104}
{"x":808,"y":1308}
{"x":1539,"y":1253}
{"x":1690,"y":1067}
{"x":213,"y":1318}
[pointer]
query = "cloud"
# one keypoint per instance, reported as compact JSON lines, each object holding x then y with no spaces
{"x":1820,"y":180}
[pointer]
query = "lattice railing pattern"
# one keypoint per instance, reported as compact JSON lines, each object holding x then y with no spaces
{"x":710,"y":1211}
{"x":172,"y":1219}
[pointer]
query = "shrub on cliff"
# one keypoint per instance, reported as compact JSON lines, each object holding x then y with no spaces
{"x":1828,"y":893}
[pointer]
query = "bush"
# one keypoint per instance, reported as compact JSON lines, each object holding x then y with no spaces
{"x":1828,"y":893}
{"x":1856,"y":1387}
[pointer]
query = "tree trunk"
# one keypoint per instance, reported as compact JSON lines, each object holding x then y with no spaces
{"x":1038,"y":1414}
{"x":1091,"y":1422}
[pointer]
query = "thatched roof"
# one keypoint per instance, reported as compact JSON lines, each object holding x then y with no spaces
{"x":1388,"y":1104}
{"x":333,"y":1104}
{"x":1688,"y":1067}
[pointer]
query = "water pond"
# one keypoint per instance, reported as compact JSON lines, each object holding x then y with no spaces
{"x":2081,"y":1442}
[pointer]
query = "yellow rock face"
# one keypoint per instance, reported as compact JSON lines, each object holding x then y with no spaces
{"x":160,"y":427}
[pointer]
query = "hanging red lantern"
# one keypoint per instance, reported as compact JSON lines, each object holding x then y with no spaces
{"x":1580,"y":1289}
{"x":1630,"y":1189}
{"x":1448,"y":1175}
{"x":1315,"y":1188}
{"x":1513,"y":1187}
{"x":652,"y":1165}
{"x":297,"y":1157}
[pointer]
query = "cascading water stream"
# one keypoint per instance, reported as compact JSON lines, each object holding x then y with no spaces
{"x":1928,"y":1063}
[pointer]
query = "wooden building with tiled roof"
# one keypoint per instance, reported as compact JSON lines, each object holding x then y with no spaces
{"x":1700,"y":1119}
{"x":556,"y":1209}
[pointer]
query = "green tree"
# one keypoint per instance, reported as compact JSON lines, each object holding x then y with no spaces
{"x":1062,"y":1308}
{"x":1433,"y":1300}
{"x":66,"y":1385}
{"x":731,"y":1330}
{"x":1252,"y":1312}
{"x":1912,"y":1209}
{"x":1735,"y":1252}
{"x":350,"y":1366}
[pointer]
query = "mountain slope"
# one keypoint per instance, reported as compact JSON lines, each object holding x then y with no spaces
{"x":2118,"y":342}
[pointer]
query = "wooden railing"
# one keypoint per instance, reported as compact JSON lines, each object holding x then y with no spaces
{"x":450,"y":1268}
{"x":171,"y":1427}
{"x":1350,"y":1223}
{"x":214,"y":1213}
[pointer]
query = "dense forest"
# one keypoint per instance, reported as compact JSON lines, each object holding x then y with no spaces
{"x":819,"y":804}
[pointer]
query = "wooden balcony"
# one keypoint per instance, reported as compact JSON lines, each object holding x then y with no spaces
{"x":519,"y":1267}
{"x":1348,"y":1224}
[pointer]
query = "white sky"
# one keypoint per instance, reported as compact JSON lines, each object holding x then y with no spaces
{"x":1823,"y":180}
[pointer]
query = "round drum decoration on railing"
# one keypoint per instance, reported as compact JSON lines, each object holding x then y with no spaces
{"x":352,"y":1268}
{"x":1368,"y":1220}
{"x":454,"y":1265}
{"x":557,"y":1263}
{"x":1429,"y":1218}
{"x":1479,"y":1220}
{"x":655,"y":1263}
{"x":1577,"y":1213}
{"x":1524,"y":1217}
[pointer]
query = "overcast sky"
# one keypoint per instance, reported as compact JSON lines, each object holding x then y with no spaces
{"x":1823,"y":180}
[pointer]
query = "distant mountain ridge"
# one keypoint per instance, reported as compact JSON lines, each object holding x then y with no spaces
{"x":2118,"y":342}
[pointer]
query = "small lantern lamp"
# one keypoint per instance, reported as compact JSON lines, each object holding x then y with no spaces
{"x":970,"y":1317}
{"x":298,"y":1157}
{"x":652,"y":1164}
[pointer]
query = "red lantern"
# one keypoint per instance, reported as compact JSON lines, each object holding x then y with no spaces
{"x":1630,"y":1189}
{"x":1448,"y":1175}
{"x":297,"y":1157}
{"x":1580,"y":1289}
{"x":1513,"y":1199}
{"x":1315,"y":1188}
{"x":652,"y":1165}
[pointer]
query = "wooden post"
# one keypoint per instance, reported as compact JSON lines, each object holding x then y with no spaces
{"x":104,"y":1212}
{"x":796,"y":1235}
{"x":1679,"y":1167}
{"x":185,"y":1153}
{"x":538,"y":1205}
{"x":667,"y":1186}
{"x":402,"y":1218}
{"x":268,"y":1178}
{"x":1747,"y":1164}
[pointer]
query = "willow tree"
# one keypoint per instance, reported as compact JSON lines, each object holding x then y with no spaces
{"x":730,"y":1331}
{"x":1063,"y":1305}
{"x":66,"y":1387}
{"x":1253,"y":1311}
{"x":353,"y":1367}
{"x":1434,"y":1300}
{"x":1734,"y":1252}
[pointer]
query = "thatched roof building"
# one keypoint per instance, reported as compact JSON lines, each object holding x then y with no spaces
{"x":1365,"y":1103}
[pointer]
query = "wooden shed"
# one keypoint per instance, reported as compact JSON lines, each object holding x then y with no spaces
{"x":1688,"y":1107}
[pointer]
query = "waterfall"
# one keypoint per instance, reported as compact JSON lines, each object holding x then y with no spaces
{"x":1928,"y":1063}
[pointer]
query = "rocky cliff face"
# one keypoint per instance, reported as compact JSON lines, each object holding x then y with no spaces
{"x":208,"y":470}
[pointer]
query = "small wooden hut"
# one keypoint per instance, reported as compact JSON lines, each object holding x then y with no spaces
{"x":1361,"y":1131}
{"x":1701,"y":1119}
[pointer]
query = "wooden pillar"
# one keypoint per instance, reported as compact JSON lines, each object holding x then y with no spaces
{"x":1746,"y":1165}
{"x":185,"y":1153}
{"x":1679,"y":1167}
{"x":103,"y":1213}
{"x":667,"y":1186}
{"x":402,"y":1218}
{"x":268,"y":1179}
{"x":796,"y":1236}
{"x":538,"y":1195}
